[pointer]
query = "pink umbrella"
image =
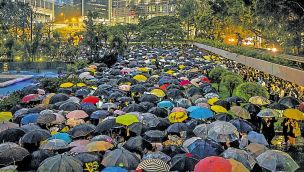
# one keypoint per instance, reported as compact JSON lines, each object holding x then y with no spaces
{"x":125,"y":71}
{"x":78,"y":143}
{"x":59,"y":119}
{"x":184,"y":83}
{"x":30,"y":97}
{"x":119,"y":112}
{"x":179,"y":109}
{"x":79,"y":149}
{"x":77,"y":114}
{"x":205,"y":105}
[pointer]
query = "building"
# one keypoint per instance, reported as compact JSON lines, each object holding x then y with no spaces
{"x":43,"y":9}
{"x":102,"y":7}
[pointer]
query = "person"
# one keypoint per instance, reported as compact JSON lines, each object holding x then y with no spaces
{"x":285,"y":125}
{"x":294,"y":131}
{"x":268,"y":129}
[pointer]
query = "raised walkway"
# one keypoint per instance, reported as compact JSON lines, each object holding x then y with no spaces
{"x":12,"y":79}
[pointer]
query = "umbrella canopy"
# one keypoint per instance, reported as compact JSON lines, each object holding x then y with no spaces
{"x":201,"y":131}
{"x":5,"y":116}
{"x":77,"y":114}
{"x":218,"y":109}
{"x":165,"y":104}
{"x":222,"y":131}
{"x":242,"y":125}
{"x":237,"y":166}
{"x":154,"y":136}
{"x":153,"y":165}
{"x":290,"y":102}
{"x":11,"y":135}
{"x":223,"y":103}
{"x":100,"y":114}
{"x":137,"y":144}
{"x":255,"y":137}
{"x":7,"y":125}
{"x":201,"y":113}
{"x":127,"y":119}
{"x":60,"y":163}
{"x":81,"y":130}
{"x":277,"y":106}
{"x":204,"y":148}
{"x":138,"y":89}
{"x":87,"y":157}
{"x":58,"y":98}
{"x":294,"y":114}
{"x":158,"y":92}
{"x":98,"y":146}
{"x":90,"y":99}
{"x":223,"y":117}
{"x":66,"y":85}
{"x":177,"y":128}
{"x":30,"y":98}
{"x":149,"y":98}
{"x":234,"y":99}
{"x":177,"y":117}
{"x":138,"y":128}
{"x":134,"y":108}
{"x":240,"y":112}
{"x":69,"y":106}
{"x":114,"y":169}
{"x":35,"y":136}
{"x":11,"y":153}
{"x":252,"y":108}
{"x":54,"y":144}
{"x":106,"y":125}
{"x":258,"y":100}
{"x":275,"y":160}
{"x":183,"y":162}
{"x":30,"y":118}
{"x":140,"y":78}
{"x":62,"y":136}
{"x":160,"y":112}
{"x":256,"y":149}
{"x":240,"y":155}
{"x":265,"y":113}
{"x":121,"y":158}
{"x":213,"y":164}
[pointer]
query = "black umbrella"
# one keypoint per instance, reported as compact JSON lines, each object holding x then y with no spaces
{"x":100,"y":92}
{"x":234,"y":99}
{"x":125,"y":99}
{"x":59,"y":163}
{"x":149,"y":98}
{"x":160,"y":112}
{"x":193,"y":123}
{"x":194,"y":91}
{"x":46,"y":118}
{"x":177,"y":128}
{"x":175,"y":94}
{"x":82,"y":130}
{"x":58,"y":98}
{"x":105,"y":86}
{"x":138,"y":88}
{"x":252,"y":109}
{"x":134,"y":108}
{"x":154,"y":136}
{"x":36,"y":109}
{"x":137,"y":144}
{"x":87,"y":157}
{"x":116,"y":95}
{"x":278,"y":106}
{"x":83,"y":92}
{"x":11,"y":153}
{"x":69,"y":106}
{"x":223,"y":117}
{"x":290,"y":102}
{"x":183,"y":162}
{"x":89,"y":108}
{"x":100,"y":114}
{"x":30,"y":127}
{"x":172,"y":86}
{"x":65,"y":90}
{"x":106,"y":125}
{"x":147,"y":105}
{"x":11,"y":135}
{"x":223,"y":103}
{"x":122,"y":158}
{"x":35,"y":136}
{"x":138,"y":128}
{"x":242,"y":125}
{"x":38,"y":156}
{"x":126,"y":79}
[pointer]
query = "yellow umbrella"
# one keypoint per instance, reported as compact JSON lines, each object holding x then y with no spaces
{"x":143,"y":69}
{"x":5,"y":116}
{"x":92,"y":70}
{"x":170,"y":72}
{"x":219,"y":109}
{"x":66,"y":85}
{"x":259,"y":100}
{"x":98,"y":146}
{"x":294,"y":114}
{"x":94,"y":87}
{"x":177,"y":117}
{"x":181,"y":66}
{"x":237,"y":166}
{"x":212,"y":100}
{"x":207,"y":58}
{"x":46,"y":100}
{"x":158,"y":92}
{"x":140,"y":78}
{"x":126,"y":119}
{"x":81,"y":84}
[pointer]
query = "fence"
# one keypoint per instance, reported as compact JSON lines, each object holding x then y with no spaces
{"x":32,"y":65}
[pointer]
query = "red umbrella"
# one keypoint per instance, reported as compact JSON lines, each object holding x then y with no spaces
{"x":301,"y":107}
{"x":184,"y":82}
{"x":90,"y":99}
{"x":205,"y":79}
{"x":164,"y":87}
{"x":30,"y":97}
{"x":213,"y":164}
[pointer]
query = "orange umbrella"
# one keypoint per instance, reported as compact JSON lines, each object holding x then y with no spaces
{"x":98,"y":146}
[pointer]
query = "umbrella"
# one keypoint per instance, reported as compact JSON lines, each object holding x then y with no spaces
{"x":5,"y":116}
{"x":106,"y":125}
{"x":153,"y":165}
{"x":114,"y":169}
{"x":194,"y":91}
{"x":77,"y":114}
{"x":240,"y":112}
{"x":211,"y":95}
{"x":30,"y":98}
{"x":223,"y":117}
{"x":62,"y":136}
{"x":240,"y":155}
{"x":89,"y":108}
{"x":256,"y":149}
{"x":125,"y":99}
{"x":66,"y":85}
{"x":223,"y":103}
{"x":98,"y":146}
{"x":165,"y":104}
{"x":6,"y":125}
{"x":183,"y":162}
{"x":65,"y":90}
{"x":38,"y":156}
{"x":204,"y":148}
{"x":126,"y":119}
{"x":29,"y":118}
{"x":154,"y":136}
{"x":294,"y":114}
{"x":290,"y":102}
{"x":301,"y":107}
{"x":277,"y":106}
{"x":138,"y":88}
{"x":103,"y":138}
{"x":275,"y":160}
{"x":265,"y":113}
{"x":54,"y":144}
{"x":177,"y":117}
{"x":11,"y":135}
{"x":58,"y":98}
{"x":69,"y":106}
{"x":222,"y":131}
{"x":237,"y":166}
{"x":175,"y":93}
{"x":218,"y":109}
{"x":83,"y":92}
{"x":201,"y":131}
{"x":108,"y":106}
{"x":78,"y":143}
{"x":242,"y":125}
{"x":35,"y":136}
{"x":185,"y":103}
{"x":30,"y":127}
{"x":137,"y":144}
{"x":157,"y":155}
{"x":213,"y":100}
{"x":255,"y":137}
{"x":160,"y":112}
{"x":60,"y":163}
{"x":140,"y":78}
{"x":122,"y":158}
{"x":134,"y":108}
{"x":258,"y":100}
{"x":158,"y":92}
{"x":11,"y":153}
{"x":177,"y":128}
{"x":90,"y":99}
{"x":81,"y":130}
{"x":138,"y":128}
{"x":100,"y":114}
{"x":149,"y":98}
{"x":147,"y":105}
{"x":252,"y":108}
{"x":213,"y":164}
{"x":46,"y":118}
{"x":201,"y":113}
{"x":234,"y":99}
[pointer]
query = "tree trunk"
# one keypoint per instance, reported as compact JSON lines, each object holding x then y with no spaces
{"x":218,"y":87}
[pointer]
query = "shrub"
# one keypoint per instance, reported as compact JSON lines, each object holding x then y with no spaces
{"x":79,"y":64}
{"x":215,"y":75}
{"x":231,"y":81}
{"x":250,"y":89}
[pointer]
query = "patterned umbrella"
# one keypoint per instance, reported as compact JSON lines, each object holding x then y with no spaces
{"x":223,"y":131}
{"x":153,"y":165}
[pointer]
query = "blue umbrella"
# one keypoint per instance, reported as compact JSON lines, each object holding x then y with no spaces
{"x":201,"y":113}
{"x":192,"y":108}
{"x":30,"y":118}
{"x":62,"y":136}
{"x":204,"y":148}
{"x":164,"y":80}
{"x":114,"y":169}
{"x":242,"y":125}
{"x":255,"y":137}
{"x":165,"y":104}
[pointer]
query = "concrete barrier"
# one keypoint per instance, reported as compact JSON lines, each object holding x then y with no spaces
{"x":286,"y":73}
{"x":13,"y":79}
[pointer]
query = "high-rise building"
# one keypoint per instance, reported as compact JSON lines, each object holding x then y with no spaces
{"x":43,"y":9}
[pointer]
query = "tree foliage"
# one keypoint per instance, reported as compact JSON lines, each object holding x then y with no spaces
{"x":215,"y":75}
{"x":231,"y":81}
{"x":250,"y":89}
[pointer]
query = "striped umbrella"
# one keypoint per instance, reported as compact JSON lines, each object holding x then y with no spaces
{"x":153,"y":165}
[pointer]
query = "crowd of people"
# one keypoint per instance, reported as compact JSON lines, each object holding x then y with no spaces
{"x":154,"y":110}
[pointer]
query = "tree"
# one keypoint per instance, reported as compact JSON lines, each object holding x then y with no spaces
{"x":215,"y":75}
{"x":231,"y":82}
{"x":250,"y":89}
{"x":127,"y":31}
